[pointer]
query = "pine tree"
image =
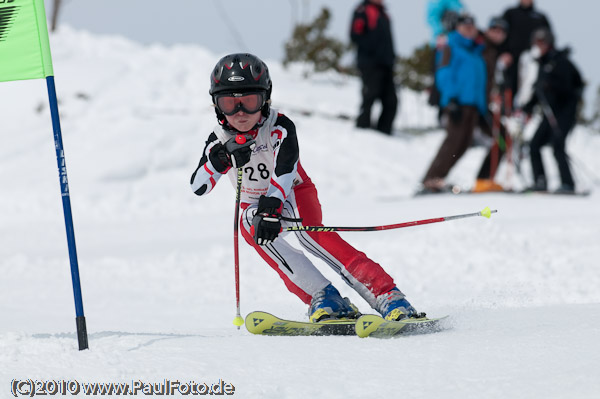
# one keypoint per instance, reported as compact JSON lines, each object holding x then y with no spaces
{"x":310,"y":44}
{"x":416,"y":71}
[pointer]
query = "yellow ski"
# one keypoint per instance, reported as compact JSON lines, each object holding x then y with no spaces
{"x":266,"y":324}
{"x":376,"y":326}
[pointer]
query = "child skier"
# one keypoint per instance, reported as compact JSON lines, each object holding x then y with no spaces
{"x":275,"y":187}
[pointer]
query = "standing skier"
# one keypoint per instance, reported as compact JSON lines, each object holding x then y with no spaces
{"x":461,"y":79}
{"x":522,"y":20}
{"x":557,"y":91}
{"x":275,"y":189}
{"x":371,"y":32}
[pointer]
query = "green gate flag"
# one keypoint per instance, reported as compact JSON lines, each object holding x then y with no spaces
{"x":25,"y":54}
{"x":24,"y":43}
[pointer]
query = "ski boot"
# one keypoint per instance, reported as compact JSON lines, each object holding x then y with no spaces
{"x":565,"y":189}
{"x":539,"y":186}
{"x":393,"y":306}
{"x":486,"y":185}
{"x":329,"y":304}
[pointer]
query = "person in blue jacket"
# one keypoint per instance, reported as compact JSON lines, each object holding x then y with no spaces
{"x":461,"y":79}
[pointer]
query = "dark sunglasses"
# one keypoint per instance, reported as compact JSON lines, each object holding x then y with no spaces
{"x":232,"y":103}
{"x":466,"y":21}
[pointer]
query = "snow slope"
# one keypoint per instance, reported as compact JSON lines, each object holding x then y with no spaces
{"x":156,"y":261}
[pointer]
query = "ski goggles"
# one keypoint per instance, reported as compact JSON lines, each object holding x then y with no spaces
{"x":232,"y":103}
{"x":466,"y":20}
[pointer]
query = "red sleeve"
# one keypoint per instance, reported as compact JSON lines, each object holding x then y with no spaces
{"x":358,"y":27}
{"x":372,"y":16}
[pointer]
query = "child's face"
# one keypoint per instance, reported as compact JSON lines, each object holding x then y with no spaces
{"x":242,"y":121}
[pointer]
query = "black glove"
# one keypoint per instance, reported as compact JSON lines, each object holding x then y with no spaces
{"x":230,"y":154}
{"x":239,"y":153}
{"x":454,"y":110}
{"x":219,"y":158}
{"x":266,"y":224}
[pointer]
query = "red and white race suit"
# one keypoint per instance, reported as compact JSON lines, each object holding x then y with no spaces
{"x":275,"y":170}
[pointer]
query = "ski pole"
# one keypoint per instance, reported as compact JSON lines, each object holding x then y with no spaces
{"x":487,"y":212}
{"x":237,"y":321}
{"x":549,"y":113}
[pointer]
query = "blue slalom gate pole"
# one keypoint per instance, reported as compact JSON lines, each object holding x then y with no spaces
{"x":66,"y":201}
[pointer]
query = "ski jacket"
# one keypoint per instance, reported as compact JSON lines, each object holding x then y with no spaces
{"x":490,"y":54}
{"x":522,"y":22}
{"x":372,"y":33}
{"x":462,"y":73}
{"x":273,"y":166}
{"x":435,"y":15}
{"x":559,"y":82}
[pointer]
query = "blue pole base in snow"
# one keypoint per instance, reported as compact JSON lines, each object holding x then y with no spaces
{"x":82,"y":337}
{"x":66,"y":200}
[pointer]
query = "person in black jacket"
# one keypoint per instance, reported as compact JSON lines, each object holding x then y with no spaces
{"x":522,"y":21}
{"x":371,"y":33}
{"x":557,"y":91}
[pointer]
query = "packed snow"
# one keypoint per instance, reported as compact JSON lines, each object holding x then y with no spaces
{"x":156,"y":261}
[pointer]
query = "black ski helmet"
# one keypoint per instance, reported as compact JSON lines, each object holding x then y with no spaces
{"x":449,"y":20}
{"x":498,"y":22}
{"x":240,"y":73}
{"x":544,"y":35}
